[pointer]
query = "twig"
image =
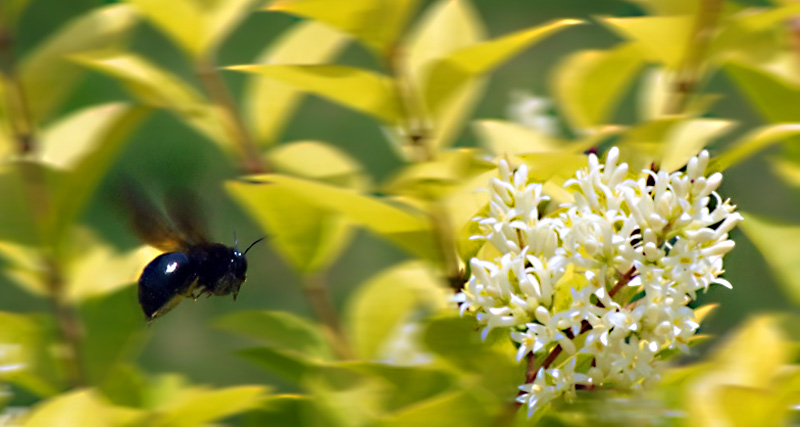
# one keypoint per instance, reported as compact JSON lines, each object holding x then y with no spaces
{"x":319,"y":297}
{"x":217,"y":91}
{"x":36,"y":190}
{"x":689,"y":72}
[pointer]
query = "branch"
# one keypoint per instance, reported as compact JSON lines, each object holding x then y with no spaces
{"x":209,"y":76}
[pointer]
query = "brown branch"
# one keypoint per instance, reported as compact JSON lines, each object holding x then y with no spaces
{"x":690,"y":71}
{"x":36,"y":189}
{"x":217,"y":91}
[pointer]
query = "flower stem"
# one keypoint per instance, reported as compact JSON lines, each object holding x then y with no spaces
{"x":217,"y":91}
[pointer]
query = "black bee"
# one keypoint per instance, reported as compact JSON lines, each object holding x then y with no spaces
{"x":192,"y":265}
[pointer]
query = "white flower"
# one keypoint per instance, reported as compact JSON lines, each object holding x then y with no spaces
{"x":637,"y":248}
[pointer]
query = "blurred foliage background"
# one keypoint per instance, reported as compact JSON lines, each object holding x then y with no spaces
{"x":163,"y":153}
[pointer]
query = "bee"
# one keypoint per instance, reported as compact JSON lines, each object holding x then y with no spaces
{"x":192,"y":264}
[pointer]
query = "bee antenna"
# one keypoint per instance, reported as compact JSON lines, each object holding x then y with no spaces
{"x":252,"y":244}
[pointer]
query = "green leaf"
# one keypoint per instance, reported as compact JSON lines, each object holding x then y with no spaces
{"x":777,"y":243}
{"x":377,"y":23}
{"x":86,"y":144}
{"x":589,"y":84}
{"x":359,"y":89}
{"x":672,"y":7}
{"x":753,"y":142}
{"x":204,"y":406}
{"x":196,"y":26}
{"x":124,"y":385}
{"x":278,"y":329}
{"x":449,"y":73}
{"x":409,"y":384}
{"x":456,"y":408}
{"x":47,"y":77}
{"x":404,"y":227}
{"x":158,"y":88}
{"x":269,"y":103}
{"x":345,"y":397}
{"x":774,"y":96}
{"x":385,"y":303}
{"x":80,"y":407}
{"x":663,"y":39}
{"x":288,"y":364}
{"x":285,"y":410}
{"x":457,"y":340}
{"x":108,"y":344}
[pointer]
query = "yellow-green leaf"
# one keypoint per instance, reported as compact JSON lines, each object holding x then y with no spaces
{"x":437,"y":179}
{"x":755,"y":141}
{"x":26,"y":359}
{"x":455,"y":408}
{"x":206,"y":406}
{"x":663,"y":39}
{"x":589,"y":84}
{"x":778,"y":245}
{"x":280,"y":330}
{"x":546,"y":166}
{"x":48,"y":78}
{"x":687,"y":138}
{"x":196,"y":26}
{"x":402,"y":226}
{"x":377,"y":23}
{"x":319,"y":161}
{"x":508,"y":138}
{"x":776,"y":97}
{"x":700,"y":313}
{"x":308,"y":237}
{"x":446,"y":27}
{"x":385,"y":304}
{"x":80,"y":407}
{"x":355,"y":88}
{"x":269,"y":103}
{"x":449,"y":73}
{"x":158,"y":88}
{"x":788,"y":170}
{"x":94,"y":268}
{"x":85,"y":144}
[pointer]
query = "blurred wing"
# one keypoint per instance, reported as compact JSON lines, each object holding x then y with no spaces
{"x":148,"y":222}
{"x":185,"y":211}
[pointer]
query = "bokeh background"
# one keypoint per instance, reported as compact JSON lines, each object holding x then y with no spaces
{"x":164,"y":154}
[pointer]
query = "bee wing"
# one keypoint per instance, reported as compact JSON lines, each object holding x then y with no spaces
{"x":186,"y":212}
{"x":148,"y":222}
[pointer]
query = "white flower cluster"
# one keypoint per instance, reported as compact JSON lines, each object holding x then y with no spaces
{"x":602,"y":281}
